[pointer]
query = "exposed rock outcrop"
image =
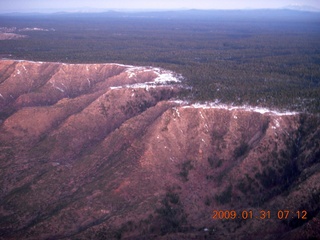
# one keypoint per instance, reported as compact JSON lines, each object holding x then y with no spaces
{"x":106,"y":151}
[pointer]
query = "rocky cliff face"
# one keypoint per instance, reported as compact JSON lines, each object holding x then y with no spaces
{"x":106,"y":151}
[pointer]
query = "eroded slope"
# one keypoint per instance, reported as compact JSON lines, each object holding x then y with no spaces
{"x":103,"y":152}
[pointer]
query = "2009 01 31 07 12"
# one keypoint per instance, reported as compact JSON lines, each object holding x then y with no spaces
{"x":262,"y":214}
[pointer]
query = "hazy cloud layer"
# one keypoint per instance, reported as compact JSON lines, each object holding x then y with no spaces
{"x":27,"y":5}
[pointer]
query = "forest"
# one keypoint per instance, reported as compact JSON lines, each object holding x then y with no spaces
{"x":267,"y":58}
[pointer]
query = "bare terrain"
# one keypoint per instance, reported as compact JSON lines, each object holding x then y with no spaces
{"x":108,"y":151}
{"x":12,"y":33}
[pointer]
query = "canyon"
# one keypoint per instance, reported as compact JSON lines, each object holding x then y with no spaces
{"x":109,"y":151}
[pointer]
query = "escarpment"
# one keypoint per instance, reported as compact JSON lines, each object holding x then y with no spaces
{"x":107,"y":151}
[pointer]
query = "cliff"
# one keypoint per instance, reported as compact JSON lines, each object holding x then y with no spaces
{"x":107,"y":151}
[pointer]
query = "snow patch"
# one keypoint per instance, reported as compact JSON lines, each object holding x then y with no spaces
{"x":177,"y":112}
{"x":64,"y":85}
{"x":56,"y":87}
{"x":215,"y":105}
{"x":277,"y":124}
{"x":139,"y":85}
{"x":145,"y":86}
{"x":179,"y":102}
{"x":166,"y":77}
{"x":163,"y":76}
{"x":131,"y":71}
{"x":60,"y":89}
{"x":131,"y":75}
{"x":22,"y":61}
{"x":116,"y":88}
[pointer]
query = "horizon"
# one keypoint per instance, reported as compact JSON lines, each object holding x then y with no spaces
{"x":22,"y":6}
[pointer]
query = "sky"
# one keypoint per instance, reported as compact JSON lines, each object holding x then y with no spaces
{"x":89,"y":5}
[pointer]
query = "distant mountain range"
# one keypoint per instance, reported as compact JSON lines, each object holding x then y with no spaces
{"x":298,"y":7}
{"x":295,"y":7}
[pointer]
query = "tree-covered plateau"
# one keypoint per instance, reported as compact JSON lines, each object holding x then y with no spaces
{"x":269,"y":59}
